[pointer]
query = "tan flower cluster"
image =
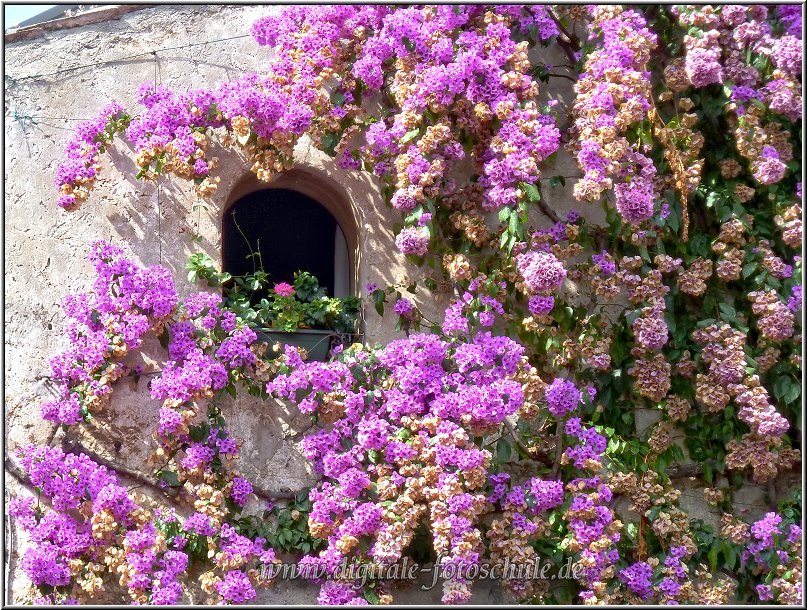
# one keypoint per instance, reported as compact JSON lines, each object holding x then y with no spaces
{"x":672,"y":524}
{"x":652,"y":377}
{"x":734,"y":529}
{"x":724,"y":352}
{"x":729,"y":168}
{"x":458,"y":267}
{"x":661,"y":438}
{"x":711,"y":590}
{"x":728,"y":244}
{"x":767,"y":359}
{"x":473,"y":226}
{"x":790,"y":223}
{"x":649,"y":288}
{"x":677,"y":408}
{"x":730,"y":265}
{"x":627,"y":88}
{"x":765,"y":455}
{"x":630,"y":263}
{"x":744,"y":192}
{"x":607,"y":287}
{"x":675,"y":78}
{"x":752,"y":134}
{"x":509,"y":544}
{"x":533,"y":387}
{"x":693,"y":280}
{"x":91,"y":580}
{"x":596,"y":351}
{"x":774,"y":264}
{"x":710,"y":393}
{"x":666,"y":263}
{"x":713,"y":496}
{"x":685,"y":366}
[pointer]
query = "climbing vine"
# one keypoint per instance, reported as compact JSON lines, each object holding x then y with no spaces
{"x":507,"y":430}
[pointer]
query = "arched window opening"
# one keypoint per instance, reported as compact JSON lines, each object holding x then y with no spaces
{"x":292,"y":232}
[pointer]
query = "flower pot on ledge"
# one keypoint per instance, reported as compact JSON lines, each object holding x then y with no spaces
{"x":316,"y":342}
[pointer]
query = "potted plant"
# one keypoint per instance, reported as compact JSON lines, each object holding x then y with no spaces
{"x":300,"y":314}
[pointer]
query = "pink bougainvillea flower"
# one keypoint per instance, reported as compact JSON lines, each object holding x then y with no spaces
{"x":283,"y":289}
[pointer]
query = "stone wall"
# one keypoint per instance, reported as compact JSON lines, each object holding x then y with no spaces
{"x":55,"y":76}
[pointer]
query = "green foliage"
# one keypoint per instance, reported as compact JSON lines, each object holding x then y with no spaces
{"x":309,"y":306}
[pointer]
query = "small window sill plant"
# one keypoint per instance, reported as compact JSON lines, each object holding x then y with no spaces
{"x":302,"y":308}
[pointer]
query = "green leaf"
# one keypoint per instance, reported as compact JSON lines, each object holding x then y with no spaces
{"x":164,"y":337}
{"x":170,"y":477}
{"x":727,"y":310}
{"x":410,"y":135}
{"x":533,"y":194}
{"x":713,"y":553}
{"x":329,"y":142}
{"x":370,"y":595}
{"x":503,"y":451}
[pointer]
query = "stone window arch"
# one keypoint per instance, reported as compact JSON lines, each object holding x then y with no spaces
{"x":303,"y":221}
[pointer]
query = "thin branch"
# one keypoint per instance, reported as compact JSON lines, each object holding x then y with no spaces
{"x":558,"y":454}
{"x":512,"y":431}
{"x":574,"y":80}
{"x":539,"y":457}
{"x":16,"y":472}
{"x":571,"y":38}
{"x":685,"y":471}
{"x":568,"y":50}
{"x":73,"y":446}
{"x":549,"y":212}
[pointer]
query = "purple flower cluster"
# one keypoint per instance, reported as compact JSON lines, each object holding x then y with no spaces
{"x":639,"y":577}
{"x":541,"y":272}
{"x":476,"y":306}
{"x":127,"y":301}
{"x":93,"y":516}
{"x":241,"y":490}
{"x":562,"y":397}
{"x":413,"y":240}
{"x":613,"y":93}
{"x":594,"y":529}
{"x":150,"y":572}
{"x":774,"y":555}
{"x":404,"y":308}
{"x":80,"y":493}
{"x":411,"y":432}
{"x":791,"y":15}
{"x":768,"y":167}
{"x":651,"y":330}
{"x":722,"y":45}
{"x":76,"y":174}
{"x":451,"y":63}
{"x":192,"y":370}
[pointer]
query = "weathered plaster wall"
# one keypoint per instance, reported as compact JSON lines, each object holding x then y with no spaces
{"x":46,"y":247}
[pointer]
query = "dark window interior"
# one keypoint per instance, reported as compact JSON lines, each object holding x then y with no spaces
{"x":293,"y":232}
